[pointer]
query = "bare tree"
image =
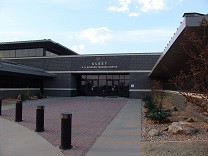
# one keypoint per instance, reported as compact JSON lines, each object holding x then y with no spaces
{"x":192,"y":82}
{"x":159,"y":95}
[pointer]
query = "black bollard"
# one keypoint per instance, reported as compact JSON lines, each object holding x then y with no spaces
{"x":40,"y":118}
{"x":0,"y":105}
{"x":18,"y":111}
{"x":66,"y":126}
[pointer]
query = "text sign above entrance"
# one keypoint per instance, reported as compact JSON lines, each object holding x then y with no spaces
{"x":99,"y":65}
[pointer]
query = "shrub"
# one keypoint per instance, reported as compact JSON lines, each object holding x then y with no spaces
{"x":149,"y":103}
{"x":153,"y":112}
{"x":25,"y":95}
{"x":159,"y":115}
{"x":39,"y":95}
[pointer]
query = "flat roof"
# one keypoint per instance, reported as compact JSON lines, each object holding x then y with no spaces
{"x":48,"y":44}
{"x":86,"y":55}
{"x":174,"y":57}
{"x":16,"y":68}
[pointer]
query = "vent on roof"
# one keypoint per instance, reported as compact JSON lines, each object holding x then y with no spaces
{"x":192,"y":14}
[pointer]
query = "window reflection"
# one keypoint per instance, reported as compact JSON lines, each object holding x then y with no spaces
{"x":102,"y":76}
{"x":115,"y":76}
{"x":92,"y":76}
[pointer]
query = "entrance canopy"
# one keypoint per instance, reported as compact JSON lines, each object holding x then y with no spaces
{"x":174,"y":58}
{"x":13,"y":68}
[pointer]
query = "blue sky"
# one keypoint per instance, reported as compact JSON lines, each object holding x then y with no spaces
{"x":97,"y":26}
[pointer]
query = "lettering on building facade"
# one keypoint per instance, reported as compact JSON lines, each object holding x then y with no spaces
{"x":99,"y":65}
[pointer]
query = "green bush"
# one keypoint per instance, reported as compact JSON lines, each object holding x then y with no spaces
{"x":149,"y":103}
{"x":159,"y":115}
{"x":154,"y":113}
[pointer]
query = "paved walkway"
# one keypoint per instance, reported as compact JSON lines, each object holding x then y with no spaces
{"x":17,"y":140}
{"x":119,"y":138}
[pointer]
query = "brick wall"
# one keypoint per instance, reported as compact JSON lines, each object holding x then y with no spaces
{"x":141,"y":64}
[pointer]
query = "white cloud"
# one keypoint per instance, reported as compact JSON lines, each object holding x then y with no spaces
{"x":150,"y":5}
{"x":96,"y":35}
{"x":59,"y":1}
{"x":142,"y":6}
{"x":82,"y":47}
{"x":69,"y":37}
{"x":133,"y":14}
{"x":78,"y":48}
{"x":124,"y":6}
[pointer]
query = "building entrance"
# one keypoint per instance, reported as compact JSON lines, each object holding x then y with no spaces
{"x":103,"y":85}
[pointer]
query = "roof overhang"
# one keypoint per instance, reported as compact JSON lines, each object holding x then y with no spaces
{"x":174,"y":57}
{"x":46,"y":44}
{"x":14,"y":68}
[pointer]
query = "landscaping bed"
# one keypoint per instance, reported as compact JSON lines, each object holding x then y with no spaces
{"x":147,"y":125}
{"x":12,"y":101}
{"x":157,"y":140}
{"x":8,"y":101}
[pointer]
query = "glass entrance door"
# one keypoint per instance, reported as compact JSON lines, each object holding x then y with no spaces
{"x":112,"y":87}
{"x":91,"y":88}
{"x":103,"y":85}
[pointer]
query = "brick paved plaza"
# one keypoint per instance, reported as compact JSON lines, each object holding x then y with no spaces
{"x":90,"y":118}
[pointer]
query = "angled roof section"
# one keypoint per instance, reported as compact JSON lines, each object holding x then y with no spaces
{"x":15,"y":68}
{"x":45,"y":43}
{"x":174,"y":58}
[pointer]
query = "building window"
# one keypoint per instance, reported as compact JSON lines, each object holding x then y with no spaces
{"x":12,"y":53}
{"x":48,"y":53}
{"x":115,"y":76}
{"x":39,"y":52}
{"x":19,"y":53}
{"x":25,"y":53}
{"x":6,"y":53}
{"x":1,"y":54}
{"x":32,"y":52}
{"x":103,"y":85}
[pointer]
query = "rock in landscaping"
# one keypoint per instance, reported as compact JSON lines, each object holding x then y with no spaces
{"x":153,"y":122}
{"x":173,"y":118}
{"x":165,"y":129}
{"x":177,"y":128}
{"x":34,"y":98}
{"x":185,"y":123}
{"x":190,"y":120}
{"x":181,"y":118}
{"x":174,"y":109}
{"x":154,"y":132}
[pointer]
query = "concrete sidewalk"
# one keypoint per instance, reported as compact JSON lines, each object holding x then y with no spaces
{"x":16,"y":140}
{"x":122,"y":136}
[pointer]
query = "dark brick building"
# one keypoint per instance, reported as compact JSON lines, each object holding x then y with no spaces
{"x":58,"y":71}
{"x":94,"y":75}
